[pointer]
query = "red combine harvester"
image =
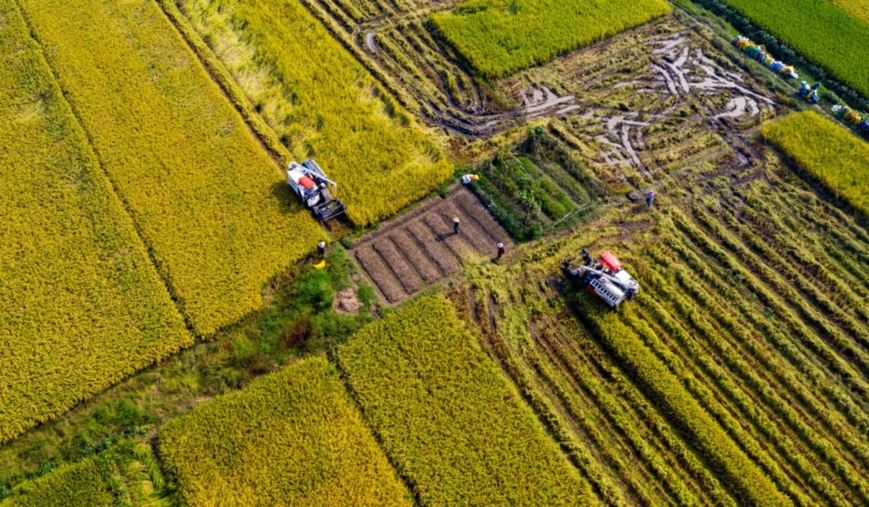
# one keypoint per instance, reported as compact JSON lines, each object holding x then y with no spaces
{"x":605,"y":279}
{"x":311,"y":185}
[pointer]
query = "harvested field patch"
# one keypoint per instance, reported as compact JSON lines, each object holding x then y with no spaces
{"x":419,"y":248}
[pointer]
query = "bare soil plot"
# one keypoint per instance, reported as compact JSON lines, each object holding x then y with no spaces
{"x":419,"y":248}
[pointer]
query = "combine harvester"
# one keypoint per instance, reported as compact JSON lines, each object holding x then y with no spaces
{"x":605,"y":279}
{"x":311,"y":184}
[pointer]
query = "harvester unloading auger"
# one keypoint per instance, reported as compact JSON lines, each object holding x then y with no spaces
{"x":311,"y":184}
{"x":605,"y":279}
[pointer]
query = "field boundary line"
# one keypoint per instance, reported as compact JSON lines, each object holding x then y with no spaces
{"x":173,"y":295}
{"x":215,"y":69}
{"x":405,"y":478}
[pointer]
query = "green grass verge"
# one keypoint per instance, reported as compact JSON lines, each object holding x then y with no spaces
{"x":448,"y":418}
{"x":499,"y":37}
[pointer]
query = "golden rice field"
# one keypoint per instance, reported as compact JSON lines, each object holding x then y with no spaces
{"x":857,"y":8}
{"x":322,"y":103}
{"x":448,"y":419}
{"x":211,"y":206}
{"x":79,"y":484}
{"x":828,"y":151}
{"x":499,"y":37}
{"x":293,"y":438}
{"x":81,"y":305}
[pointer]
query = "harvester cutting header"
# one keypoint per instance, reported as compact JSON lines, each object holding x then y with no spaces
{"x":605,"y":278}
{"x":311,"y":184}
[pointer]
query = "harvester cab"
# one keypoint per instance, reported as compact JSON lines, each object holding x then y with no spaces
{"x":311,"y":184}
{"x":604,"y":278}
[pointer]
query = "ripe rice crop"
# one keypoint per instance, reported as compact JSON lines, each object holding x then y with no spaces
{"x":210,"y":204}
{"x":824,"y":33}
{"x":81,"y":305}
{"x":827,"y":151}
{"x":499,"y":37}
{"x":292,"y":438}
{"x":447,"y":417}
{"x":323,"y":103}
{"x":74,"y":485}
{"x":857,"y":8}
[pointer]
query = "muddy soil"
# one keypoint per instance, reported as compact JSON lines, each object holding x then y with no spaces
{"x":420,"y":248}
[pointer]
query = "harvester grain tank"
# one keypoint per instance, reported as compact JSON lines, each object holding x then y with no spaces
{"x":311,"y":185}
{"x":604,"y":278}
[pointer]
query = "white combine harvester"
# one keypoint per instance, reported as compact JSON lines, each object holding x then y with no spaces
{"x":310,"y":183}
{"x":605,"y":279}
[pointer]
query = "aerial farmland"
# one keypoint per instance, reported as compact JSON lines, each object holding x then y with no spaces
{"x":434,"y":253}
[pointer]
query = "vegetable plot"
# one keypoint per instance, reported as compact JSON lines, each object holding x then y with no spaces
{"x":210,"y":204}
{"x":292,"y":438}
{"x":448,"y":418}
{"x":499,"y":37}
{"x":81,"y":306}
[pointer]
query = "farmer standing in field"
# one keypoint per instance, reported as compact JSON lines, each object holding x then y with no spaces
{"x":321,"y":249}
{"x":649,"y":198}
{"x":456,"y":225}
{"x":501,"y":250}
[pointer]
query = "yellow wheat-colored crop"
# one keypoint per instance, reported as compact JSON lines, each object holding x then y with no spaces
{"x":293,"y":438}
{"x":827,"y":151}
{"x":208,"y":201}
{"x":499,"y":37}
{"x":78,"y":484}
{"x":81,"y":305}
{"x":322,"y":102}
{"x":448,"y":417}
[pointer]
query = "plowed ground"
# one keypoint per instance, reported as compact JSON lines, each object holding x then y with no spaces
{"x":419,"y":249}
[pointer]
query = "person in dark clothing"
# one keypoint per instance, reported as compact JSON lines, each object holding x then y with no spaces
{"x":456,"y":225}
{"x":321,"y":249}
{"x":649,"y":198}
{"x":501,"y":250}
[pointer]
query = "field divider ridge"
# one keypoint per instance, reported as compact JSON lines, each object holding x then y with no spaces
{"x":152,"y":258}
{"x":402,"y":474}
